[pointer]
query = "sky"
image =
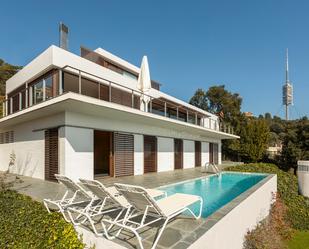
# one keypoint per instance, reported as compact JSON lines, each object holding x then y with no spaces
{"x":190,"y":44}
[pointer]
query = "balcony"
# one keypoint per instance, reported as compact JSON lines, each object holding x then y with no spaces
{"x":69,"y":79}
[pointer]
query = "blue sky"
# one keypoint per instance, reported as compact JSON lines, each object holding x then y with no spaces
{"x":189,"y":44}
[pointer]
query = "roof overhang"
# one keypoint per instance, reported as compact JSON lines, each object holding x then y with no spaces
{"x":72,"y":102}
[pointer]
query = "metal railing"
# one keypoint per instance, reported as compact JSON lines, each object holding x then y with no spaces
{"x":214,"y":168}
{"x":147,"y":103}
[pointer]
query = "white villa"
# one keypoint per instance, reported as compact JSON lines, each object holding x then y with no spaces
{"x":97,"y":114}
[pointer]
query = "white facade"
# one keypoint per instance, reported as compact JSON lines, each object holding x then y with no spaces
{"x":76,"y":152}
{"x":165,"y":154}
{"x":188,"y":154}
{"x":77,"y":116}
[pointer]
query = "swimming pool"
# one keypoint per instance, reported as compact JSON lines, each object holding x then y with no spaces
{"x":216,"y":191}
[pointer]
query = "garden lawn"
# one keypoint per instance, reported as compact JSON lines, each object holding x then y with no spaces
{"x":300,"y":240}
{"x":25,"y":223}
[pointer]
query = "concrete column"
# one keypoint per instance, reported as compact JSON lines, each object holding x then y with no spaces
{"x":165,"y":154}
{"x":188,"y":154}
{"x":138,"y":154}
{"x":76,"y":152}
{"x":205,"y":153}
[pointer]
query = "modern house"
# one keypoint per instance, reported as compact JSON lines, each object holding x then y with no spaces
{"x":89,"y":115}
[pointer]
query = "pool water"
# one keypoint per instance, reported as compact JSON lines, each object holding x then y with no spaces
{"x":216,"y":191}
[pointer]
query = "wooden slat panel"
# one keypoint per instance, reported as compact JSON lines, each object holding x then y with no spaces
{"x":123,"y":154}
{"x":198,"y":154}
{"x":150,"y":154}
{"x":213,"y":153}
{"x":121,"y":97}
{"x":51,"y":154}
{"x":216,"y":153}
{"x":178,"y":151}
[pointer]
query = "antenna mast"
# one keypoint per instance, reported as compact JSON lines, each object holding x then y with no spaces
{"x":287,"y":89}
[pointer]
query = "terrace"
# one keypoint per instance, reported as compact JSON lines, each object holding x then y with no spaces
{"x":182,"y":232}
{"x":59,"y":81}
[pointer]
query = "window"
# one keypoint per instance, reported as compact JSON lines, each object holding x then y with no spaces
{"x":70,"y":83}
{"x":49,"y":87}
{"x":37,"y":92}
{"x":7,"y":137}
{"x":15,"y":106}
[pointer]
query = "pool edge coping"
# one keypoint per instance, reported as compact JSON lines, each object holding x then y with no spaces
{"x":215,"y":217}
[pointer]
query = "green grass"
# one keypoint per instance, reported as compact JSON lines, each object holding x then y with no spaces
{"x":300,"y":240}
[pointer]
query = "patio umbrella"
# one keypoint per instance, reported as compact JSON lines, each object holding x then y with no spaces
{"x":144,"y":82}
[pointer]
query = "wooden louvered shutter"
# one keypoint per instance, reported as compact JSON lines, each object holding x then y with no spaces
{"x":178,"y":152}
{"x":211,"y":153}
{"x":215,"y":153}
{"x":150,"y":154}
{"x":198,"y":154}
{"x":51,"y":154}
{"x":123,"y":154}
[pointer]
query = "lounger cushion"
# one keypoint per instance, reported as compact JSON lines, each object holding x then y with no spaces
{"x":176,"y":202}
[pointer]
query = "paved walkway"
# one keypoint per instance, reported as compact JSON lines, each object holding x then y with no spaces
{"x":180,"y":233}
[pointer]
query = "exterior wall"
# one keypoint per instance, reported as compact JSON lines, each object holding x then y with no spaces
{"x":219,"y":152}
{"x":28,"y":147}
{"x":165,"y":154}
{"x":205,"y":153}
{"x":138,"y":154}
{"x":76,"y":144}
{"x":29,"y":151}
{"x":76,"y":152}
{"x":188,"y":154}
{"x":239,"y":220}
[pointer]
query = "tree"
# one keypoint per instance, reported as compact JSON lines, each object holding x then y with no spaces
{"x":6,"y":72}
{"x":254,"y":140}
{"x":199,"y":99}
{"x":253,"y":133}
{"x":224,"y":103}
{"x":295,"y":145}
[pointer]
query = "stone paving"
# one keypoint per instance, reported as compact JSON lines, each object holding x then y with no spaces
{"x":179,"y":233}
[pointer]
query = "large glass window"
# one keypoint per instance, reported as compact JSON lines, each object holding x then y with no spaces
{"x":49,"y":87}
{"x":15,"y":105}
{"x":37,"y":92}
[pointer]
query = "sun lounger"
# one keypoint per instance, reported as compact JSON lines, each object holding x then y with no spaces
{"x":150,"y":211}
{"x":113,"y":203}
{"x":74,"y":195}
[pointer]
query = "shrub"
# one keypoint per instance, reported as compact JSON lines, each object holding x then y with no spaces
{"x":272,"y":232}
{"x":298,"y":205}
{"x":25,"y":223}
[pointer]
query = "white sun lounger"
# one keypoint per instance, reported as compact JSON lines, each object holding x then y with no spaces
{"x":152,"y":211}
{"x":74,"y":195}
{"x":112,"y":202}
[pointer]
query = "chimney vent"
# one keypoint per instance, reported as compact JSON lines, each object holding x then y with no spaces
{"x":63,"y":39}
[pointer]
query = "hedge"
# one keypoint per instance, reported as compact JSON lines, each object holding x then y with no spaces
{"x":298,"y":206}
{"x":25,"y":223}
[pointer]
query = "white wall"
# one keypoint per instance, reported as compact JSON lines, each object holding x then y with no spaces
{"x":76,"y":152}
{"x":219,"y":152}
{"x":229,"y":232}
{"x":205,"y":153}
{"x":28,"y":146}
{"x":165,"y":154}
{"x":188,"y":154}
{"x":29,"y":154}
{"x":138,"y":154}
